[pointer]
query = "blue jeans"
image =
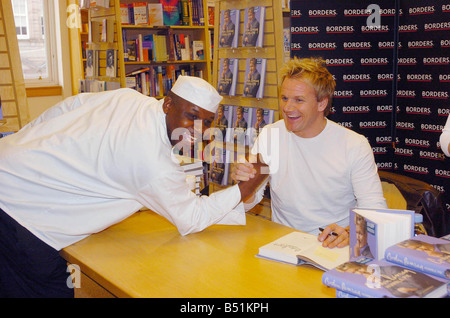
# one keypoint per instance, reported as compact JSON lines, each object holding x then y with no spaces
{"x":28,"y":266}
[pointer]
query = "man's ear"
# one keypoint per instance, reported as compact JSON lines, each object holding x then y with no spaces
{"x":323,"y":104}
{"x":167,"y":105}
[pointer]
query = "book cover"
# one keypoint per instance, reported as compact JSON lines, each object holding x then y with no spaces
{"x":229,"y":28}
{"x":222,"y":123}
{"x":369,"y":278}
{"x":299,"y":248}
{"x":219,"y":166}
{"x":140,"y":13}
{"x":90,"y":63}
{"x":253,"y":32}
{"x":171,"y":12}
{"x":198,"y":52}
{"x":423,"y":253}
{"x":211,"y":8}
{"x":372,"y":231}
{"x":242,"y":119}
{"x":261,"y":118}
{"x":111,"y":63}
{"x":155,"y":14}
{"x":255,"y":72}
{"x":124,"y":14}
{"x":132,"y":50}
{"x":228,"y":72}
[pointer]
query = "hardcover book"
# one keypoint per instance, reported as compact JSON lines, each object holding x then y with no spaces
{"x":222,"y":123}
{"x":369,"y":278}
{"x":171,"y":12}
{"x":228,"y":72}
{"x":229,"y":28}
{"x":253,"y":32}
{"x":111,"y":63}
{"x":140,"y":13}
{"x":198,"y":52}
{"x":219,"y":166}
{"x":300,"y":248}
{"x":155,"y":14}
{"x":372,"y":231}
{"x":242,"y":120}
{"x":261,"y":118}
{"x":423,"y":253}
{"x":255,"y":72}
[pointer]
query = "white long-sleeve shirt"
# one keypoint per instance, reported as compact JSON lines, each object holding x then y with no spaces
{"x":315,"y":181}
{"x":444,"y":139}
{"x":93,"y":160}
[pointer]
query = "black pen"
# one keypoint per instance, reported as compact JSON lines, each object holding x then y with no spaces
{"x":331,"y":233}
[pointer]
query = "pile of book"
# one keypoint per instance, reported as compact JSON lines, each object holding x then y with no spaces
{"x":193,"y":168}
{"x":387,"y":260}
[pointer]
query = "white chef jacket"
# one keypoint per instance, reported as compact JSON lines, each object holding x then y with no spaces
{"x":93,"y":160}
{"x":315,"y":181}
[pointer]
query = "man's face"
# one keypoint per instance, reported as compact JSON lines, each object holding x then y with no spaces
{"x":186,"y":122}
{"x":302,"y":113}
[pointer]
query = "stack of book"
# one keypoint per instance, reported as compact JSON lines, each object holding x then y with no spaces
{"x":193,"y":168}
{"x":384,"y":265}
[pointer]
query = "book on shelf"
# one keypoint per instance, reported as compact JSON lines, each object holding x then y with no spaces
{"x":255,"y":72}
{"x":184,"y":12}
{"x":222,"y":123}
{"x":368,"y":278}
{"x":423,"y":253}
{"x":140,"y":15}
{"x":171,"y":12}
{"x":229,"y":28}
{"x":372,"y":231}
{"x":94,"y":86}
{"x":242,"y":121}
{"x":253,"y":33}
{"x":198,"y":50}
{"x":300,"y":248}
{"x":198,"y":17}
{"x":211,"y":11}
{"x":228,"y":73}
{"x":155,"y":14}
{"x":91,"y":63}
{"x":111,"y":63}
{"x":261,"y":118}
{"x":220,"y":165}
{"x":131,"y":50}
{"x":124,"y":14}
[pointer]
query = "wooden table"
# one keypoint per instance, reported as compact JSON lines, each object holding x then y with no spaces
{"x":144,"y":256}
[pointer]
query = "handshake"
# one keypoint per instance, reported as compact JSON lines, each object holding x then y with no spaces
{"x":249,"y":173}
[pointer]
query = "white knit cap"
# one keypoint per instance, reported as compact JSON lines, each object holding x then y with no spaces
{"x":198,"y":92}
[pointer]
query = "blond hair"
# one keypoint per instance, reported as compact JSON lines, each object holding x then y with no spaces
{"x":314,"y":71}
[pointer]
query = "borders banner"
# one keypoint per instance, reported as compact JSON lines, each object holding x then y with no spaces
{"x":402,"y":119}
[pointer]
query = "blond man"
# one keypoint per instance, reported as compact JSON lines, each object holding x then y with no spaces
{"x":318,"y":169}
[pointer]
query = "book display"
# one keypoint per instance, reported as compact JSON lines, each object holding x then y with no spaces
{"x":248,"y":56}
{"x":150,"y":42}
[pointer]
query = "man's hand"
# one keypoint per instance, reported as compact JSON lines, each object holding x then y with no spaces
{"x":249,"y":176}
{"x":334,"y":235}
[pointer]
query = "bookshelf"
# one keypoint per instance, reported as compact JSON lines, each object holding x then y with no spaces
{"x":156,"y":69}
{"x":12,"y":85}
{"x":272,"y":51}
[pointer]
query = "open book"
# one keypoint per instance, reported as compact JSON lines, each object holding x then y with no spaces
{"x":302,"y":248}
{"x":372,"y":231}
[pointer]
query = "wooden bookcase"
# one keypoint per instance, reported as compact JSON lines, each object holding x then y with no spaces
{"x":272,"y":51}
{"x":12,"y":84}
{"x":112,"y":14}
